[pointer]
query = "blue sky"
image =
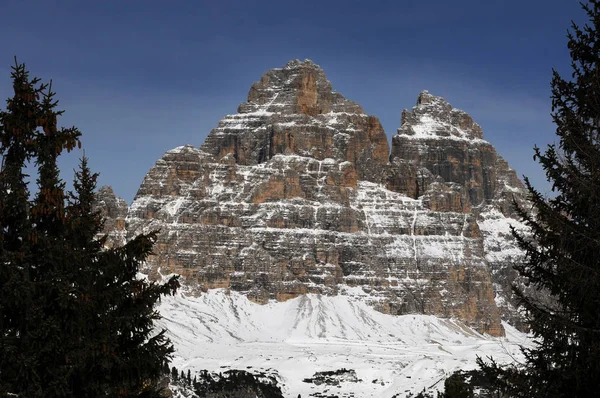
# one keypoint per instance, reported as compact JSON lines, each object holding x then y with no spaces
{"x":141,"y":77}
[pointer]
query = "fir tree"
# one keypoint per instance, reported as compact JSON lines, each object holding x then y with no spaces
{"x":456,"y":386}
{"x":31,"y":289}
{"x":563,"y":250}
{"x":75,"y":320}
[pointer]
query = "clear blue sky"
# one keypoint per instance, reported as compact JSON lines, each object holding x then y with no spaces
{"x":141,"y":77}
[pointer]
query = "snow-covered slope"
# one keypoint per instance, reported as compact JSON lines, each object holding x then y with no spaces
{"x":222,"y":330}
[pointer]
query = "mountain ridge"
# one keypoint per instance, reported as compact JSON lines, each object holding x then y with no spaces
{"x":300,"y":192}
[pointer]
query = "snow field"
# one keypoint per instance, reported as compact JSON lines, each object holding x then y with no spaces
{"x":222,"y":330}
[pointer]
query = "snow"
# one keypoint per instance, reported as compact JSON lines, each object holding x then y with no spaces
{"x":498,"y":243}
{"x":428,"y":127}
{"x":178,"y":149}
{"x":223,"y":330}
{"x":287,"y":124}
{"x":296,"y":338}
{"x":173,"y":206}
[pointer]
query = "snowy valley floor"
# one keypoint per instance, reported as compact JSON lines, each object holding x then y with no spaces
{"x":293,"y":340}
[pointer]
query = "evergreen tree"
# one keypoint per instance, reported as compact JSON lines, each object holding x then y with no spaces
{"x":30,"y":307}
{"x":563,"y":250}
{"x":456,"y":386}
{"x":75,"y":320}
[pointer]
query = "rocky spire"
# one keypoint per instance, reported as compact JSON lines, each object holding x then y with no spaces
{"x":297,"y":88}
{"x":114,"y":210}
{"x":433,"y":117}
{"x":293,"y":110}
{"x":437,"y":141}
{"x":439,"y":155}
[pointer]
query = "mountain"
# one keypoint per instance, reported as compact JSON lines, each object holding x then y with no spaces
{"x":448,"y":162}
{"x":299,"y":193}
{"x":315,"y":255}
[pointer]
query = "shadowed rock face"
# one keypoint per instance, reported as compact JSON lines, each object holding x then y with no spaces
{"x":297,"y":193}
{"x":114,"y":210}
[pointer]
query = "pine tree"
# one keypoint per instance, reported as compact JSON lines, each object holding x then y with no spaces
{"x":456,"y":386}
{"x":563,"y":250}
{"x":29,"y":284}
{"x":109,"y":286}
{"x":75,"y":319}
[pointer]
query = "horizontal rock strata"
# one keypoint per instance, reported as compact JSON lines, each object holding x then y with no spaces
{"x":298,"y":193}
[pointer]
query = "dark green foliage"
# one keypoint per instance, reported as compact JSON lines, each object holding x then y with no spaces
{"x":422,"y":394}
{"x":237,"y":383}
{"x":75,"y":320}
{"x":457,"y":386}
{"x":475,"y":383}
{"x":563,"y":252}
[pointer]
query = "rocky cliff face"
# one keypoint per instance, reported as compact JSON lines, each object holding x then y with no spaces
{"x":293,"y":111}
{"x":436,"y":141}
{"x":114,"y":210}
{"x":439,"y":155}
{"x":297,"y":193}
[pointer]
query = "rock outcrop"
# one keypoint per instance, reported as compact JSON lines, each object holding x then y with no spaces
{"x":114,"y":210}
{"x":438,"y":141}
{"x":439,"y":155}
{"x":297,"y":193}
{"x":293,"y":111}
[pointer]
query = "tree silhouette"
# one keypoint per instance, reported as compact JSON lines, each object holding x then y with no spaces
{"x":75,"y":319}
{"x":563,"y":250}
